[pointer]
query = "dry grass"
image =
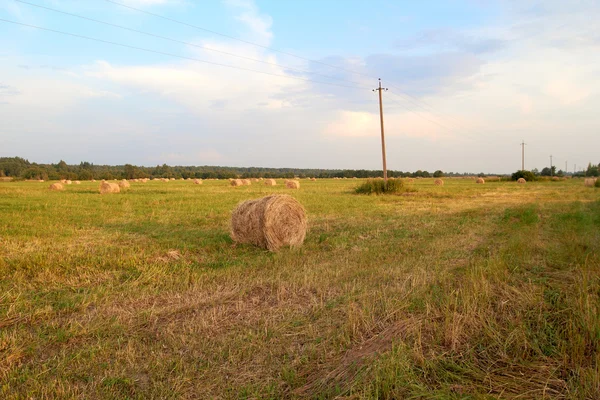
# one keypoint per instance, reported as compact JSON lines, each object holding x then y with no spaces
{"x":477,"y":291}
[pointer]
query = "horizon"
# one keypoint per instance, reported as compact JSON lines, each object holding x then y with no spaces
{"x":468,"y":82}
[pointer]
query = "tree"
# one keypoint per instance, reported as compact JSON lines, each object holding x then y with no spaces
{"x":438,"y":174}
{"x":545,"y":171}
{"x":527,"y":175}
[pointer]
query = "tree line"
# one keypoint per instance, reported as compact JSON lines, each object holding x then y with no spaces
{"x":20,"y":168}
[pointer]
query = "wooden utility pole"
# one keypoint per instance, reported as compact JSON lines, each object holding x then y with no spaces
{"x":380,"y":89}
{"x":523,"y":156}
{"x":550,"y":164}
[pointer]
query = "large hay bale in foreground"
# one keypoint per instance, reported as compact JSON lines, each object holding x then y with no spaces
{"x":438,"y":182}
{"x":521,"y":180}
{"x":236,"y":182}
{"x":107,"y":187}
{"x":271,"y":222}
{"x":124,"y":184}
{"x":197,"y":181}
{"x":292,"y":184}
{"x":56,"y":187}
{"x":270,"y":182}
{"x":480,"y":180}
{"x":589,"y":182}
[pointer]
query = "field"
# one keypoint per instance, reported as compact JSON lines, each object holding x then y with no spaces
{"x":461,"y":291}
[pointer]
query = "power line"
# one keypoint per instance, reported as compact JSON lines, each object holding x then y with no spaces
{"x":187,"y":43}
{"x":174,"y":55}
{"x":234,"y":38}
{"x":252,"y":43}
{"x":422,"y":116}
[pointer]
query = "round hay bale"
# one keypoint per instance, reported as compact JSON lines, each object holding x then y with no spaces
{"x":197,"y":181}
{"x":56,"y":187}
{"x":237,"y":182}
{"x":172,"y":179}
{"x":246,"y":182}
{"x":270,"y":182}
{"x":77,"y":183}
{"x":68,"y":182}
{"x":93,"y":180}
{"x":480,"y":180}
{"x":124,"y":184}
{"x":589,"y":182}
{"x":271,"y":222}
{"x":438,"y":182}
{"x":63,"y":181}
{"x":107,"y":187}
{"x":521,"y":180}
{"x":555,"y":178}
{"x":313,"y":179}
{"x":292,"y":184}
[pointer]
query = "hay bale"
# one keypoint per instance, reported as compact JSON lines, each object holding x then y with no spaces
{"x":589,"y":182}
{"x":197,"y":181}
{"x":480,"y":180}
{"x":270,"y":182}
{"x":438,"y":182}
{"x":313,"y":179}
{"x":555,"y":178}
{"x":68,"y":182}
{"x":63,"y":181}
{"x":236,"y":182}
{"x":107,"y":187}
{"x":246,"y":182}
{"x":521,"y":180}
{"x":56,"y":187}
{"x":292,"y":184}
{"x":124,"y":184}
{"x":271,"y":222}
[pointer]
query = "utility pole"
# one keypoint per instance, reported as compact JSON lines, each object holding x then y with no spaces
{"x":523,"y":156}
{"x":550,"y":164}
{"x":566,"y":170}
{"x":380,"y":89}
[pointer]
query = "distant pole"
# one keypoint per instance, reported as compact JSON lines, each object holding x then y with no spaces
{"x":523,"y":156}
{"x":550,"y":164}
{"x":566,"y":170}
{"x":380,"y":89}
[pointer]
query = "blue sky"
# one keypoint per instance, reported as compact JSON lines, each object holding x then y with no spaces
{"x":468,"y":81}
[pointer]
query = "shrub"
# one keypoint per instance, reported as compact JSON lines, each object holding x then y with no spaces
{"x":378,"y":186}
{"x":597,"y":184}
{"x":527,"y":175}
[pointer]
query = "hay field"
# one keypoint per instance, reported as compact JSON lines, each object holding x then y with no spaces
{"x":454,"y":291}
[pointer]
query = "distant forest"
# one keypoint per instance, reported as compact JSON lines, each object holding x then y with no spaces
{"x":20,"y":168}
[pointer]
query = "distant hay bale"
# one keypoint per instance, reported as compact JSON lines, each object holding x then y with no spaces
{"x":270,"y":182}
{"x":164,"y":179}
{"x":124,"y":184}
{"x":246,"y":182}
{"x":63,"y":181}
{"x":197,"y":181}
{"x":589,"y":182}
{"x":172,"y":179}
{"x":56,"y":187}
{"x":68,"y":182}
{"x":480,"y":180}
{"x":107,"y":187}
{"x":40,"y":180}
{"x":438,"y":182}
{"x":409,"y":180}
{"x":271,"y":222}
{"x":313,"y":179}
{"x":292,"y":184}
{"x":521,"y":180}
{"x":236,"y":182}
{"x":93,"y":180}
{"x":555,"y":178}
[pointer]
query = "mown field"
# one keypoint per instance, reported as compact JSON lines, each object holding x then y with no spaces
{"x":454,"y":292}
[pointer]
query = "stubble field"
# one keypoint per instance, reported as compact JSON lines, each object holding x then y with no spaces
{"x":461,"y":291}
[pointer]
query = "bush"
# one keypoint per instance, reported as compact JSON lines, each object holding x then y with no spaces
{"x":597,"y":184}
{"x":527,"y":175}
{"x":378,"y":186}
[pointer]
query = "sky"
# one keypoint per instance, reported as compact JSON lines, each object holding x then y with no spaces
{"x":270,"y":83}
